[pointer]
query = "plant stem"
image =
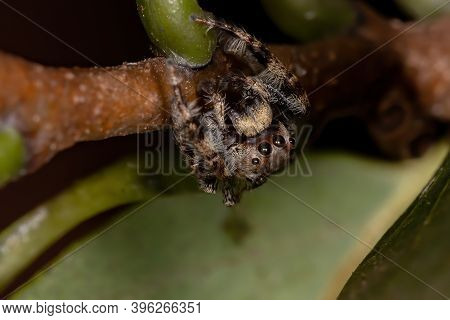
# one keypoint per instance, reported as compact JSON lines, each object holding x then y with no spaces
{"x":12,"y":154}
{"x":32,"y":234}
{"x":98,"y":103}
{"x":169,"y":26}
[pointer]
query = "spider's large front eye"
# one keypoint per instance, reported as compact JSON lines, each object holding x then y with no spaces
{"x":265,"y":148}
{"x":279,"y":141}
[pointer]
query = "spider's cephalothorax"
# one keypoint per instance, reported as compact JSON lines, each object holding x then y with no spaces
{"x":242,"y":128}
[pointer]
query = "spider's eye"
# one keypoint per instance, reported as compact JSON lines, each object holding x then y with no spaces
{"x":265,"y":148}
{"x":292,"y":141}
{"x":255,"y":161}
{"x":279,"y":141}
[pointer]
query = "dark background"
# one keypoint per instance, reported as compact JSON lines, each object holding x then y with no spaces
{"x":109,"y":32}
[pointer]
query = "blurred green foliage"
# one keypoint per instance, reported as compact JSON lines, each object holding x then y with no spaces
{"x":422,"y":8}
{"x":307,"y":20}
{"x":180,"y":246}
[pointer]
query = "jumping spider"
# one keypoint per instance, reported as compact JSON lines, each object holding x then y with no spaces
{"x":243,"y":126}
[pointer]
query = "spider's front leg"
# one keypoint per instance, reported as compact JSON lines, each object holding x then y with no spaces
{"x":190,"y":137}
{"x":242,"y":41}
{"x":184,"y":124}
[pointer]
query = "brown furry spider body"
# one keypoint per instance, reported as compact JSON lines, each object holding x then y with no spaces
{"x":242,"y":129}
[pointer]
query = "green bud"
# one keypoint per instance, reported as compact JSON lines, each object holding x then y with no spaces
{"x":170,"y":27}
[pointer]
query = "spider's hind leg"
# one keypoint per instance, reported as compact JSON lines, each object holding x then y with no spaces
{"x":284,"y":86}
{"x":242,"y":41}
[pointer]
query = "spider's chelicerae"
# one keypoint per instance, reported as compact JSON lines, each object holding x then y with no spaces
{"x":242,"y":128}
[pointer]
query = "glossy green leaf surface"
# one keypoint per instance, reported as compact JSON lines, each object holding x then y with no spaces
{"x":177,"y":246}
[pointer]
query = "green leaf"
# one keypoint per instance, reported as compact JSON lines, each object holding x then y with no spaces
{"x":307,"y":20}
{"x":12,"y":154}
{"x":412,"y":259}
{"x":185,"y":246}
{"x":171,"y":29}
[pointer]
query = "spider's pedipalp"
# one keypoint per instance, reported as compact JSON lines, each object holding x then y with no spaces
{"x":208,"y":184}
{"x":231,"y":192}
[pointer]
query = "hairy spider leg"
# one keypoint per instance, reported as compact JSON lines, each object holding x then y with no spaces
{"x":231,"y":194}
{"x":284,"y":85}
{"x":188,"y":135}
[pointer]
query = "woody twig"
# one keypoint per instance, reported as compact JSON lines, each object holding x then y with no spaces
{"x":393,"y":76}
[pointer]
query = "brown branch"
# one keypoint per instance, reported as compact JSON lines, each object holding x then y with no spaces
{"x":55,"y":108}
{"x":401,"y":91}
